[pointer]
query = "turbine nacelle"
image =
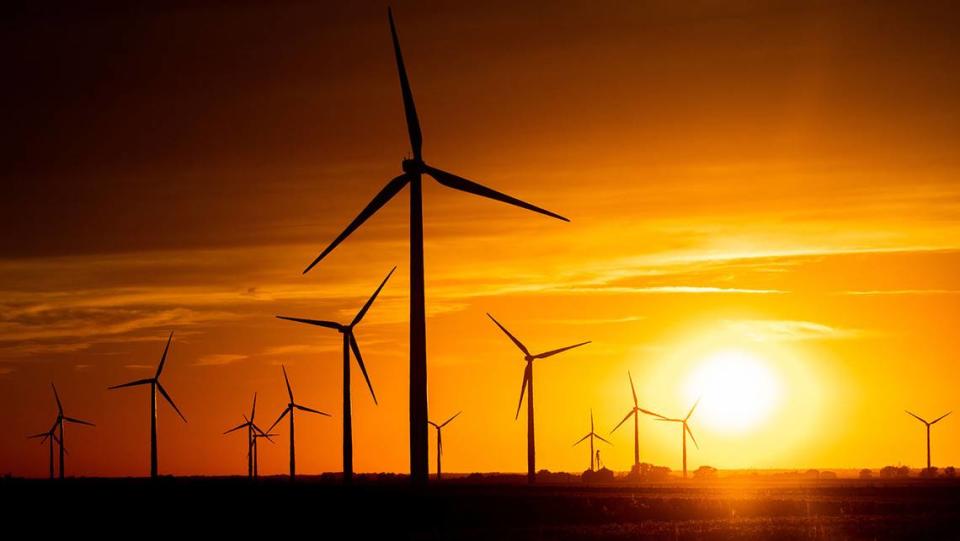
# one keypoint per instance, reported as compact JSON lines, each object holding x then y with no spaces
{"x":413,"y":167}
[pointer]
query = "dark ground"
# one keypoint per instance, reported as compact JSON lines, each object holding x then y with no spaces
{"x":387,"y":508}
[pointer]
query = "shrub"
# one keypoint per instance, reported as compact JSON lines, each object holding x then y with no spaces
{"x":866,"y":473}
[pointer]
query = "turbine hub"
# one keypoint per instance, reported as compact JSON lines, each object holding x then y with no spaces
{"x":412,"y":166}
{"x":528,"y":358}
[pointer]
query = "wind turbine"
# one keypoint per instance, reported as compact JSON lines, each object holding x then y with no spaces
{"x":155,"y":386}
{"x":349,"y":342}
{"x":50,"y":435}
{"x":252,"y":429}
{"x":257,"y":434}
{"x":60,"y":419}
{"x":413,"y":170}
{"x":929,"y":424}
{"x":686,"y":430}
{"x":289,"y":409}
{"x":591,"y":435}
{"x":440,"y":439}
{"x":635,"y":412}
{"x":527,"y":386}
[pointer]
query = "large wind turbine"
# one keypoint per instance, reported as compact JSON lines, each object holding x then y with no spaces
{"x":349,"y":343}
{"x":289,"y":409}
{"x":155,"y":386}
{"x":60,"y":419}
{"x":527,"y":386}
{"x":413,"y":169}
{"x":635,"y":413}
{"x":439,"y":428}
{"x":591,"y":435}
{"x":50,"y":435}
{"x":252,"y":430}
{"x":686,"y":430}
{"x":929,"y":424}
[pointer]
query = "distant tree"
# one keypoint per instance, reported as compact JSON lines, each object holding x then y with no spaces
{"x":903,"y":472}
{"x":705,"y":473}
{"x":950,"y":472}
{"x":929,"y":473}
{"x":812,"y":474}
{"x":866,"y":473}
{"x":889,"y":472}
{"x":828,"y":475}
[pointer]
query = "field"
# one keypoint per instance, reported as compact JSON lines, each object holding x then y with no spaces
{"x":387,"y":508}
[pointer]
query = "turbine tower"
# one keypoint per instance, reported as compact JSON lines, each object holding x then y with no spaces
{"x":928,"y":424}
{"x":155,"y":386}
{"x":635,"y":413}
{"x":60,"y":419}
{"x":349,"y":343}
{"x":527,"y":386}
{"x":591,"y":435}
{"x":439,"y":428}
{"x":686,"y":430}
{"x":413,"y":170}
{"x":292,"y":405}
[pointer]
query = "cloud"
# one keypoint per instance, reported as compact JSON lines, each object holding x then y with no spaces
{"x":878,"y":292}
{"x":220,"y":359}
{"x":786,"y":330}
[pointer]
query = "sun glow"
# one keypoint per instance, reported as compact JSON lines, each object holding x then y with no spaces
{"x":738,"y":389}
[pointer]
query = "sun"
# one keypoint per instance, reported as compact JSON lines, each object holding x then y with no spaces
{"x":739,"y":391}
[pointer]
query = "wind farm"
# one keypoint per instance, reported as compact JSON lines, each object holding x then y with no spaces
{"x":760,"y":219}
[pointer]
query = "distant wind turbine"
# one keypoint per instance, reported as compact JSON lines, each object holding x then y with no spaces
{"x":592,"y":435}
{"x":928,"y":424}
{"x":291,"y":406}
{"x":51,"y":437}
{"x":349,"y":343}
{"x":439,"y":428}
{"x":685,"y":430}
{"x":527,"y":386}
{"x":155,"y":386}
{"x":635,"y":413}
{"x":60,"y":419}
{"x":413,"y":169}
{"x":257,"y":435}
{"x":252,"y":430}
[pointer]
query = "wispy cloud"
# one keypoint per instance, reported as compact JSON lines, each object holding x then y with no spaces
{"x":220,"y":359}
{"x":786,"y":330}
{"x":876,"y":292}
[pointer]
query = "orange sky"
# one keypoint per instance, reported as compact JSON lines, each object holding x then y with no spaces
{"x":779,"y":181}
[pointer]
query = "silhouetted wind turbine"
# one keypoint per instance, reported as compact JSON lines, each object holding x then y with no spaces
{"x":251,"y":430}
{"x":155,"y":386}
{"x":928,"y":424}
{"x":686,"y":430}
{"x":591,"y":435}
{"x":257,"y":434}
{"x":635,"y":413}
{"x":349,"y":342}
{"x":440,"y":439}
{"x":289,"y":409}
{"x":60,"y":419}
{"x":413,"y":169}
{"x":527,"y":386}
{"x":51,"y":436}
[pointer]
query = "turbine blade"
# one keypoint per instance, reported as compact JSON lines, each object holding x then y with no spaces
{"x":170,"y":401}
{"x":632,"y":412}
{"x":520,"y":345}
{"x":633,"y":390}
{"x":599,"y":437}
{"x":941,"y":417}
{"x":317,"y":322}
{"x":409,"y":109}
{"x":363,"y":311}
{"x":43,"y":435}
{"x":459,"y":183}
{"x":253,"y":412}
{"x":287,"y":381}
{"x":163,"y":358}
{"x":921,"y":419}
{"x":450,"y":419}
{"x":692,"y":408}
{"x":57,"y":396}
{"x":433,"y":424}
{"x":378,"y":201}
{"x":551,"y":353}
{"x":523,"y":389}
{"x":133,"y":383}
{"x":654,"y":414}
{"x":304,"y":408}
{"x":238,"y":427}
{"x":687,"y":428}
{"x":580,"y":440}
{"x":356,"y":353}
{"x":591,"y":420}
{"x":282,"y":415}
{"x":78,"y":421}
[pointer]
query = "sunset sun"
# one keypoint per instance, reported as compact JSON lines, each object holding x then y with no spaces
{"x":739,"y":391}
